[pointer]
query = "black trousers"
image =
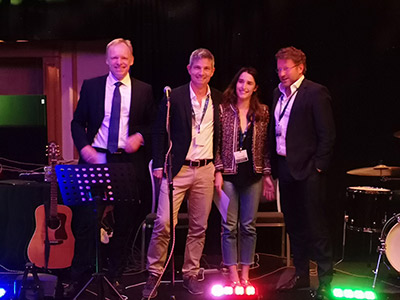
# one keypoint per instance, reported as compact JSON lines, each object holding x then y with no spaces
{"x":303,"y":203}
{"x":127,"y":215}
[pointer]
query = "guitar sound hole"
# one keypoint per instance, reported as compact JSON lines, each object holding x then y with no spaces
{"x":54,"y":223}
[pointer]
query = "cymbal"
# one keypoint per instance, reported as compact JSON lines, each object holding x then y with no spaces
{"x":397,"y":134}
{"x":377,"y":171}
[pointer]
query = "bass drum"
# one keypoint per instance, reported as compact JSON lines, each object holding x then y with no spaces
{"x":392,"y":242}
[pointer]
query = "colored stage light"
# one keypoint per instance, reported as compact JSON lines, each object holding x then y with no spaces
{"x":250,"y":290}
{"x":6,"y":291}
{"x":228,"y":290}
{"x":219,"y":291}
{"x":238,"y":290}
{"x":348,"y":293}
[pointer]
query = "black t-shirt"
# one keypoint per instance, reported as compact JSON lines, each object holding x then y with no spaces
{"x":245,"y":175}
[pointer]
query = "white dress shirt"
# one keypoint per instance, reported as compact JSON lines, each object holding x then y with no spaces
{"x":283,"y":122}
{"x":201,"y":146}
{"x":101,"y":138}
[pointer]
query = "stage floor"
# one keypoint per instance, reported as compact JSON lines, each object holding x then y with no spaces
{"x":268,"y":273}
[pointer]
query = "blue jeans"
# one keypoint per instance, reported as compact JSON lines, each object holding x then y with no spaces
{"x":242,"y":209}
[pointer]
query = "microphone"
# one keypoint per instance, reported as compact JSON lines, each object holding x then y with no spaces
{"x":167,"y":91}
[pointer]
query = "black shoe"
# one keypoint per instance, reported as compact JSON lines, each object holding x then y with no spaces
{"x":323,"y":291}
{"x":295,"y":283}
{"x":150,"y":288}
{"x":192,"y":285}
{"x":72,"y":289}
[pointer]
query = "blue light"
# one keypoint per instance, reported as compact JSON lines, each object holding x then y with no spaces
{"x":2,"y":292}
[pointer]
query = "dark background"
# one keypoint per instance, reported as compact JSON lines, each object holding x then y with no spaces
{"x":353,"y":47}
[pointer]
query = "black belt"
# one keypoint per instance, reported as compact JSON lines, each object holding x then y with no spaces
{"x":197,"y":163}
{"x":102,"y":150}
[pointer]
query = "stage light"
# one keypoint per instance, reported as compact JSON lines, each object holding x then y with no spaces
{"x":250,"y":290}
{"x":218,"y":291}
{"x":348,"y":293}
{"x":6,"y":291}
{"x":228,"y":290}
{"x":239,"y":290}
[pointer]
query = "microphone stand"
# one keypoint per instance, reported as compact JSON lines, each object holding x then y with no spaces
{"x":171,"y":198}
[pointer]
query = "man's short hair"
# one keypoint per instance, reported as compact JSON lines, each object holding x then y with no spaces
{"x":294,"y":54}
{"x":201,"y":53}
{"x":120,"y":41}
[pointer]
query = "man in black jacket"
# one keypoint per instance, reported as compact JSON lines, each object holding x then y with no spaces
{"x":194,"y":121}
{"x":302,"y":135}
{"x":93,"y":137}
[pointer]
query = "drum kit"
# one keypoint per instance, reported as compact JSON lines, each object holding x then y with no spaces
{"x":369,"y":210}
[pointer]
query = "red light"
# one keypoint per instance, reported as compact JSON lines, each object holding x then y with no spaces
{"x":233,"y":292}
{"x":228,"y":290}
{"x":250,"y":290}
{"x":239,"y":290}
{"x":217,"y":290}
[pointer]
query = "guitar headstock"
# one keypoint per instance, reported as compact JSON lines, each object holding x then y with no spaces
{"x":53,"y":151}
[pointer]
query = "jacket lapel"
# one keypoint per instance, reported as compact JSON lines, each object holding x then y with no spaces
{"x":300,"y":95}
{"x":187,"y":106}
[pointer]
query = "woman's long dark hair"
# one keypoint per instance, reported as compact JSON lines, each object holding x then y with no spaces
{"x":230,"y":97}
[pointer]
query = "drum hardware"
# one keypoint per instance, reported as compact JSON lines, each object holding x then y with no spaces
{"x":397,"y":134}
{"x":385,"y":179}
{"x":377,"y":171}
{"x":366,"y":212}
{"x":389,"y":245}
{"x":346,"y":219}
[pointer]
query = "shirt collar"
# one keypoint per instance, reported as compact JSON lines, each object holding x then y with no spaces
{"x":295,"y":85}
{"x":125,"y":81}
{"x":193,"y":95}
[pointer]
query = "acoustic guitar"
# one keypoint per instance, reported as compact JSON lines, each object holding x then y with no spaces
{"x":52,"y":244}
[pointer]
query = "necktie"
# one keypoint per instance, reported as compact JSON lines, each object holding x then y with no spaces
{"x":113,"y":130}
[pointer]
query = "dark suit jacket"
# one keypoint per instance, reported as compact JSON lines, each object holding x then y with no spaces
{"x":89,"y":113}
{"x":181,"y":127}
{"x":311,"y":131}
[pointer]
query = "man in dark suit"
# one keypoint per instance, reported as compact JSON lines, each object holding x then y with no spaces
{"x":111,"y":124}
{"x":194,"y":121}
{"x":302,"y":135}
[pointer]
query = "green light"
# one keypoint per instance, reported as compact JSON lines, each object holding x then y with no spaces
{"x":359,"y":294}
{"x":16,"y":2}
{"x":347,"y":293}
{"x":370,"y":295}
{"x":338,"y":293}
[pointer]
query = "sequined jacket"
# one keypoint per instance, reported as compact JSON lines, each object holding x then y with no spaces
{"x":229,"y":141}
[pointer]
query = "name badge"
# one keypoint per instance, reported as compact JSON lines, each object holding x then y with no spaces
{"x":200,"y":140}
{"x":240,"y":156}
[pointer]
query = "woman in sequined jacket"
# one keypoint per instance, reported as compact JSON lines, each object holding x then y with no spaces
{"x":242,"y":170}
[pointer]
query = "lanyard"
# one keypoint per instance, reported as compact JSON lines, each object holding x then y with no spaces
{"x":202,"y":116}
{"x":287,"y":103}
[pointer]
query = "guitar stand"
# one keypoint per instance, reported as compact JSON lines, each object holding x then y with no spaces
{"x":25,"y":285}
{"x":92,"y":184}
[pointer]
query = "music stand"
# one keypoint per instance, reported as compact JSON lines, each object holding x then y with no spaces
{"x":92,"y":184}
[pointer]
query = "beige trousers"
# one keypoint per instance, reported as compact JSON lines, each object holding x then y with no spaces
{"x":198,"y":182}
